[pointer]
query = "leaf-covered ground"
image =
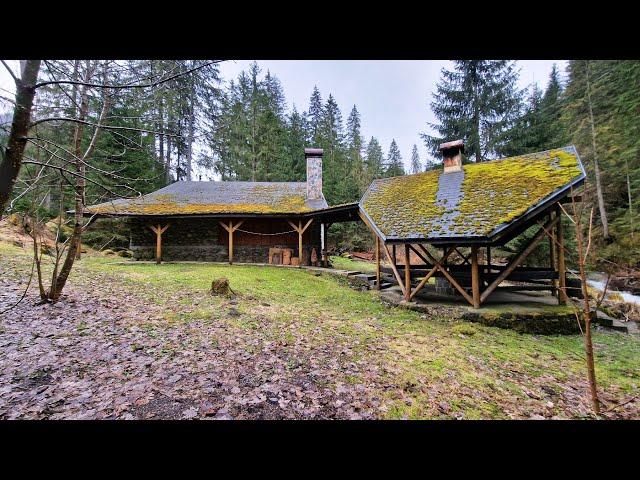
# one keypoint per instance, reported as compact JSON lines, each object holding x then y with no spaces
{"x":145,"y":341}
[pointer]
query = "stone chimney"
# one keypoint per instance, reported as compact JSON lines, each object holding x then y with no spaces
{"x":452,"y":155}
{"x":314,"y":172}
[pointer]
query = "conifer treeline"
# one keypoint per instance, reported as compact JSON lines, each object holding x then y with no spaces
{"x":597,"y":109}
{"x":257,"y":139}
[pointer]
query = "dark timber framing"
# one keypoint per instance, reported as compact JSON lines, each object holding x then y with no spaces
{"x":472,"y":274}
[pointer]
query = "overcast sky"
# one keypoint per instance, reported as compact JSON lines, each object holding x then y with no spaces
{"x":392,"y":96}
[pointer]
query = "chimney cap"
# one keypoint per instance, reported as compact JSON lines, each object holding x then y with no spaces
{"x":452,"y":144}
{"x":313,"y":152}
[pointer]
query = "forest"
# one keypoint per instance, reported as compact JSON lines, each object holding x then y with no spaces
{"x":136,"y":340}
{"x":242,"y":129}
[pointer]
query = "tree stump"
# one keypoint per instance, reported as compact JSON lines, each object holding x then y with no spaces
{"x":220,"y":286}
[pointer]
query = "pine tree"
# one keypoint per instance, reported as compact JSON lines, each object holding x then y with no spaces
{"x":394,"y":165}
{"x":354,"y":161}
{"x":416,"y":166}
{"x":314,"y":117}
{"x":331,"y":138}
{"x":551,"y":108}
{"x":477,"y":101}
{"x":587,"y":112}
{"x":374,"y":161}
{"x":295,"y":144}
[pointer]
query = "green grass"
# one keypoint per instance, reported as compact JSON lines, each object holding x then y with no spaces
{"x":342,"y":263}
{"x":473,"y":370}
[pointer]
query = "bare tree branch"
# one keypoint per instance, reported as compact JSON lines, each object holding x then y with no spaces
{"x":119,"y":87}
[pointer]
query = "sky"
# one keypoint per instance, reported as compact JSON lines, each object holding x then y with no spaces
{"x":392,"y":96}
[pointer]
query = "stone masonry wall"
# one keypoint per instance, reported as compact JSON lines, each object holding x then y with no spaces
{"x":204,"y":240}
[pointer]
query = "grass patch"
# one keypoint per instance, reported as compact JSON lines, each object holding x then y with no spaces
{"x":430,"y":367}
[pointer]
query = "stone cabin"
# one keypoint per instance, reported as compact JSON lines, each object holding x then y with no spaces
{"x":219,"y":221}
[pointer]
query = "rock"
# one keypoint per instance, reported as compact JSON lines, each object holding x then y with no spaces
{"x":232,"y":312}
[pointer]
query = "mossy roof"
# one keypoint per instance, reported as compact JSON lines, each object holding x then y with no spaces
{"x":478,"y":202}
{"x":202,"y":198}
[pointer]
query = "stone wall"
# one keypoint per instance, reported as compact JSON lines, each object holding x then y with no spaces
{"x":204,"y":240}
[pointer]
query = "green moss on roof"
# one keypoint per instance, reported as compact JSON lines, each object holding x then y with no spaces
{"x":166,"y":204}
{"x":403,"y":204}
{"x":491,"y":194}
{"x":500,"y":191}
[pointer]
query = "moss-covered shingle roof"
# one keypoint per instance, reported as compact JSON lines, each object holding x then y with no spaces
{"x":479,"y":201}
{"x":198,"y":198}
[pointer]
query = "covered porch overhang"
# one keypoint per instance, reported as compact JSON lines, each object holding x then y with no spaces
{"x":466,"y":263}
{"x":231,"y":222}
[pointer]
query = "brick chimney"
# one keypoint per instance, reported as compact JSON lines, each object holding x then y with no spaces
{"x":314,"y":172}
{"x":452,"y":155}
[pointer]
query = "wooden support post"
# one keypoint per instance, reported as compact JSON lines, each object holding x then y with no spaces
{"x":230,"y":228}
{"x":394,"y":268}
{"x":442,"y":267}
{"x":377,"y":262}
{"x":552,"y":258}
{"x":475,"y":277}
{"x":407,"y":273}
{"x":518,"y":259}
{"x":488,"y":259}
{"x":433,"y":270}
{"x":393,"y":250}
{"x":158,"y":230}
{"x":300,"y":229}
{"x":562,"y":269}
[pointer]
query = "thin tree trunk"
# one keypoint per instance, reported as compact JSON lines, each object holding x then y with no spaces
{"x":167,"y":163}
{"x":596,"y":167}
{"x":17,"y":141}
{"x":588,"y":343}
{"x":476,"y":121}
{"x":626,"y":162}
{"x":60,"y":279}
{"x":192,"y":121}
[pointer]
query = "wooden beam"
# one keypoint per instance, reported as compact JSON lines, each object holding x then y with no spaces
{"x":475,"y":277}
{"x":429,"y":274}
{"x":562,"y":269}
{"x":448,"y":276}
{"x":407,"y":272}
{"x":230,"y":228}
{"x":377,"y":262}
{"x":518,"y":259}
{"x":464,"y":259}
{"x":552,"y":257}
{"x":393,"y":267}
{"x":159,"y":230}
{"x":422,"y":257}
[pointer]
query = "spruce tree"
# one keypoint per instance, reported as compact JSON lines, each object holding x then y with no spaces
{"x":416,"y":166}
{"x":394,"y":165}
{"x":314,"y":117}
{"x":477,"y":101}
{"x":374,"y":161}
{"x":354,"y":161}
{"x":331,"y":138}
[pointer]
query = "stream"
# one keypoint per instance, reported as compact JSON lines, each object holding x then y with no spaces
{"x":598,"y":281}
